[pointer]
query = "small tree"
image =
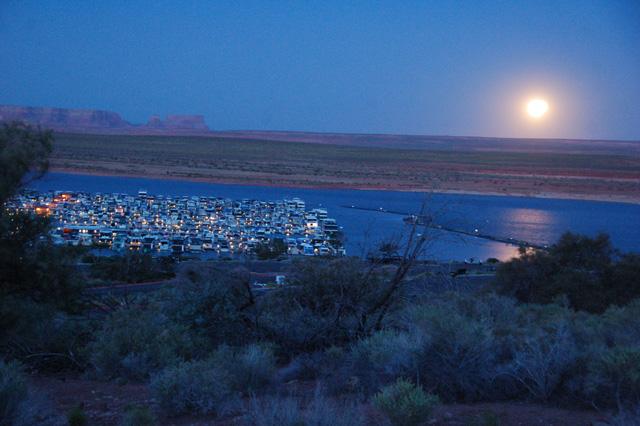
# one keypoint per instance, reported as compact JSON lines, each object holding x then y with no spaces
{"x":577,"y":267}
{"x":36,"y":277}
{"x":428,"y":227}
{"x":23,"y":150}
{"x":271,"y":249}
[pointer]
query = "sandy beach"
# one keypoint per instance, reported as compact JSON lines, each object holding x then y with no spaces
{"x":586,"y":196}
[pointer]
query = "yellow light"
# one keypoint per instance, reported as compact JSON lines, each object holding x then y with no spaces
{"x":537,"y":108}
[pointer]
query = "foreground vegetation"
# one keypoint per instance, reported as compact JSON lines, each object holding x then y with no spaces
{"x":208,"y":345}
{"x":558,"y":327}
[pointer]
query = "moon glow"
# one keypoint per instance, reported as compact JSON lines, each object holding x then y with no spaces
{"x":537,"y":108}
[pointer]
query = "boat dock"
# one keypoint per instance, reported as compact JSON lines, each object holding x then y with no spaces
{"x":415,"y":219}
{"x":176,"y":225}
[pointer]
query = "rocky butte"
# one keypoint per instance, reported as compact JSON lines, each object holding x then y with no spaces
{"x":97,"y":121}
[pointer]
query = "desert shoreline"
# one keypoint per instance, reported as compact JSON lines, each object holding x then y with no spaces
{"x":611,"y":198}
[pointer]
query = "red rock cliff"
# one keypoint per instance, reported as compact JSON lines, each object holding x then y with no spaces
{"x":62,"y":117}
{"x":178,"y":122}
{"x":96,"y":121}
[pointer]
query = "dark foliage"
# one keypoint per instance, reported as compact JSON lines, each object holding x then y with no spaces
{"x":132,"y":268}
{"x":271,"y":249}
{"x":36,"y":278}
{"x":324,"y":305}
{"x":215,"y":302}
{"x":577,"y":267}
{"x":23,"y":150}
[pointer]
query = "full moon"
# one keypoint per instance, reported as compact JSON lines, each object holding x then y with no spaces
{"x":537,"y":108}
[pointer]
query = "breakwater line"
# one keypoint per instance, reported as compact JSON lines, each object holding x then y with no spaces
{"x":416,"y":219}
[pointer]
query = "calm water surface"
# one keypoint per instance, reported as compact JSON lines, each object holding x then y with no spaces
{"x":537,"y":221}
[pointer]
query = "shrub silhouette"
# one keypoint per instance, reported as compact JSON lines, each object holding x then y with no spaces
{"x":404,"y":403}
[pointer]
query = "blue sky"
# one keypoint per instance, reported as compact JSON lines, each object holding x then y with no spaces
{"x":462,"y":68}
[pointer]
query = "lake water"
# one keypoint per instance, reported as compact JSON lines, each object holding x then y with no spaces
{"x":537,"y":221}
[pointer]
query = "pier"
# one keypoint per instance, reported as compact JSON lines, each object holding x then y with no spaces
{"x":416,"y":219}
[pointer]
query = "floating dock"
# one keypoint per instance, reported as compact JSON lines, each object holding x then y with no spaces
{"x":416,"y":219}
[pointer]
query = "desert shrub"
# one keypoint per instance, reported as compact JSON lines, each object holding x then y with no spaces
{"x":134,"y":343}
{"x":611,"y":377}
{"x":40,"y":337}
{"x":542,"y":361}
{"x":138,"y":415}
{"x":623,"y":284}
{"x":13,"y":392}
{"x":37,"y":410}
{"x":76,"y":416}
{"x":629,"y":417}
{"x":318,"y":411}
{"x":379,"y":359}
{"x":197,"y":387}
{"x":214,"y":302}
{"x":578,"y":267}
{"x":315,"y":365}
{"x":618,"y":325}
{"x":458,"y":358}
{"x":614,"y":377}
{"x":252,"y":368}
{"x":329,"y":302}
{"x":451,"y":346}
{"x":132,"y":267}
{"x":19,"y":406}
{"x":404,"y":403}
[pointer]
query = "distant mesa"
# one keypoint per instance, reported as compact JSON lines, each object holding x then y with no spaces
{"x":174,"y":121}
{"x":110,"y":123}
{"x":53,"y":117}
{"x":96,"y":121}
{"x":155,"y":122}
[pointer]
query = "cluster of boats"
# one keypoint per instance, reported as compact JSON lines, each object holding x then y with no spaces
{"x":175,"y":225}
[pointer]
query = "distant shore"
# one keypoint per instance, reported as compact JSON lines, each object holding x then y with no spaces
{"x":613,"y":198}
{"x":560,"y":174}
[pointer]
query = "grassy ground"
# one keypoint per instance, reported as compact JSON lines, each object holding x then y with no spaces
{"x":313,"y":165}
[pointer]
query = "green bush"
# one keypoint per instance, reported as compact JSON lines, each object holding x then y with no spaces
{"x":20,"y":407}
{"x":458,"y":356}
{"x":138,"y":415}
{"x":132,"y":267}
{"x":13,"y":392}
{"x":196,"y":387}
{"x":625,"y":418}
{"x":214,"y":302}
{"x":405,"y":404}
{"x":314,"y":366}
{"x":577,"y":267}
{"x":135,"y":343}
{"x":329,"y":302}
{"x":456,"y":346}
{"x":542,"y":360}
{"x":76,"y":416}
{"x":252,"y":368}
{"x":213,"y":385}
{"x":379,"y":359}
{"x":614,"y":379}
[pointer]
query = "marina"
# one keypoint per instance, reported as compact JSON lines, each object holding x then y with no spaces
{"x":169,"y":225}
{"x":537,"y":221}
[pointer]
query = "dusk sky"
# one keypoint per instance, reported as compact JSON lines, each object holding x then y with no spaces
{"x":463,"y":68}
